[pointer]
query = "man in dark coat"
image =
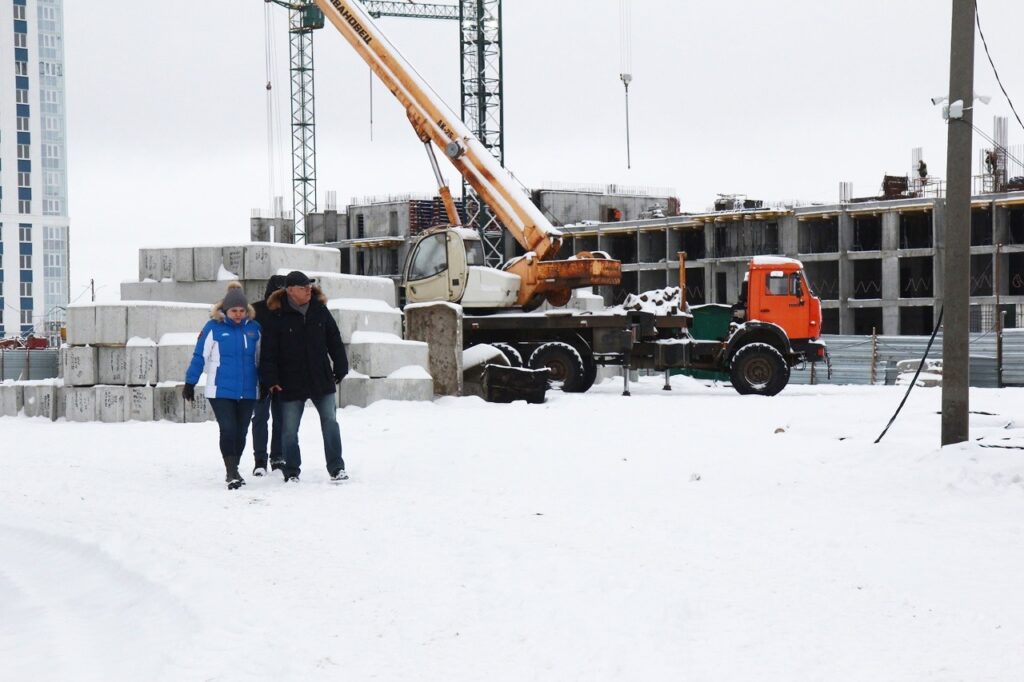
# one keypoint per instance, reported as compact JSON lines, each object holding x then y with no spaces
{"x":267,"y":404}
{"x":303,"y":358}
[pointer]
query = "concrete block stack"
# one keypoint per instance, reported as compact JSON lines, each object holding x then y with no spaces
{"x":383,"y":366}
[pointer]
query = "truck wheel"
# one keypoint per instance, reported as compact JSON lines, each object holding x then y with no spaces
{"x":514,"y":357}
{"x":758,"y":369}
{"x":566,"y":367}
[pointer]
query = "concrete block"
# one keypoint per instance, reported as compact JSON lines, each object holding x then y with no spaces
{"x":174,"y":353}
{"x":149,"y":264}
{"x":12,"y":396}
{"x":80,"y":404}
{"x":413,"y":383}
{"x":112,"y":364}
{"x":80,"y":365}
{"x":158,"y":318}
{"x":183,"y":265}
{"x":111,"y":324}
{"x":187,"y":292}
{"x":140,"y":403}
{"x":263,"y":260}
{"x":112,"y":403}
{"x":199,"y":410}
{"x":168,"y":405}
{"x":81,"y":324}
{"x":138,"y":291}
{"x":285,"y":232}
{"x":167,"y":264}
{"x":141,"y":361}
{"x":233,"y":260}
{"x":367,"y":315}
{"x":41,"y":400}
{"x":440,"y":326}
{"x":260,"y":230}
{"x":206,"y":262}
{"x":378,"y":355}
{"x":336,"y":285}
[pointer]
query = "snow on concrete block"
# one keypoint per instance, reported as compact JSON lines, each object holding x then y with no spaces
{"x":149,"y":264}
{"x":140,"y":403}
{"x":206,"y":261}
{"x":336,"y":285}
{"x":354,"y":314}
{"x":112,"y":403}
{"x":81,"y":324}
{"x":263,"y":260}
{"x":377,"y":354}
{"x":183,"y":265}
{"x":80,"y":404}
{"x":112,"y":363}
{"x":405,"y":383}
{"x":41,"y":400}
{"x":174,"y":353}
{"x":233,"y":260}
{"x":79,"y":365}
{"x":142,"y":359}
{"x":12,"y":397}
{"x":168,"y":405}
{"x":111,"y":324}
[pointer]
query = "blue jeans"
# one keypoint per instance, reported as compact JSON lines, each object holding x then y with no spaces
{"x":233,"y":419}
{"x":261,"y":415}
{"x":291,"y":414}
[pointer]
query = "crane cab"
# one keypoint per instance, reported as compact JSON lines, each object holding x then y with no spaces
{"x":447,"y":264}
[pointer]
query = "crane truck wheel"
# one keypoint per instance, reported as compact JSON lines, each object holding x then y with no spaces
{"x":758,"y":369}
{"x":566,"y":367}
{"x":514,"y":357}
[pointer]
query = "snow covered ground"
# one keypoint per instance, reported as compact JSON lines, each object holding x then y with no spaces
{"x":693,"y":535}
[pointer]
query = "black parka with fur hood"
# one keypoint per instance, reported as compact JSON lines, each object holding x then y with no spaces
{"x":303,"y":355}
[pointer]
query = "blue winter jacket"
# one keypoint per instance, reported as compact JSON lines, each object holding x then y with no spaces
{"x":230,"y":353}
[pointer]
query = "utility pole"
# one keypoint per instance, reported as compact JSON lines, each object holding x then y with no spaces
{"x":956,"y":265}
{"x":92,"y":289}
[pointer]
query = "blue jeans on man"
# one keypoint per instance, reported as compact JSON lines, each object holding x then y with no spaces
{"x":266,"y":408}
{"x":291,"y":415}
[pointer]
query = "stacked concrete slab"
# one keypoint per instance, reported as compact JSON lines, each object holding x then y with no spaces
{"x":383,"y":366}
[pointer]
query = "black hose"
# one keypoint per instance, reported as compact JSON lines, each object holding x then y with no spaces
{"x":913,"y":383}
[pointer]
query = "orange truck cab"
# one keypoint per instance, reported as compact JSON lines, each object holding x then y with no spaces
{"x":775,"y":291}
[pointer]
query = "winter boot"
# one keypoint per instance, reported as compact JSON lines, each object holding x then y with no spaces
{"x":260,"y":468}
{"x":233,"y":478}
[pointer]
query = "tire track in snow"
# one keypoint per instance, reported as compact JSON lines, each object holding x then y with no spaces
{"x":73,"y":612}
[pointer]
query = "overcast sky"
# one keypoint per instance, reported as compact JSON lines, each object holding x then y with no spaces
{"x":167,"y":124}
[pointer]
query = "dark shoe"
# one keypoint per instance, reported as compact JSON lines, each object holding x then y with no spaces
{"x":260,"y":467}
{"x":276,"y":464}
{"x":233,"y":478}
{"x":291,"y":479}
{"x":339,"y":475}
{"x":236,"y":483}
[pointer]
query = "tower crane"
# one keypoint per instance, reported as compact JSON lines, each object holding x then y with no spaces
{"x":482,"y":90}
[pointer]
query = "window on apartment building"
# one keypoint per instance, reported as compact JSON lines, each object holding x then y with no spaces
{"x":24,"y":206}
{"x":22,"y":124}
{"x":23,"y":151}
{"x":26,"y":316}
{"x":20,"y":40}
{"x":19,"y":12}
{"x":21,"y":96}
{"x":26,"y":289}
{"x":51,"y":207}
{"x":24,"y":179}
{"x":20,"y":68}
{"x":24,"y":233}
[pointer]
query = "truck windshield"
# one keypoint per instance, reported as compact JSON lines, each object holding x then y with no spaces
{"x":431,"y":257}
{"x":474,"y":252}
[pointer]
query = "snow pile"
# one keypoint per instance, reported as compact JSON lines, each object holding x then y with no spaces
{"x":665,"y":301}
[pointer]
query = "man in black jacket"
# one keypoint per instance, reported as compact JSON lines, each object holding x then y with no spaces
{"x":267,"y":404}
{"x":303,"y":358}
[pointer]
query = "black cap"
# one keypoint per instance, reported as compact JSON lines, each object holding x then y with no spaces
{"x":297,"y":278}
{"x":273,"y":284}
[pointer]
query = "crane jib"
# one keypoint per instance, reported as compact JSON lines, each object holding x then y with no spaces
{"x":352,"y":21}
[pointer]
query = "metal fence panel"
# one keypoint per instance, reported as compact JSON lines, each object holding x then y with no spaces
{"x":28,"y":364}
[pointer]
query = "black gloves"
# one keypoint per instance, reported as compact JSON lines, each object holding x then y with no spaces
{"x":338,"y":378}
{"x":188,"y":392}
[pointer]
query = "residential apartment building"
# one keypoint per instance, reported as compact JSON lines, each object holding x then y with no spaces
{"x":33,"y":169}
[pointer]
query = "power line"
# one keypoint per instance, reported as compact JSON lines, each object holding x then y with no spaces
{"x":977,"y":20}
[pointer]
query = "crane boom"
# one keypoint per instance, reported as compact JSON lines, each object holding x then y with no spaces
{"x":434,"y":122}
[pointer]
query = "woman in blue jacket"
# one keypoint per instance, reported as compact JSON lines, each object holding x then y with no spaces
{"x":229,"y":350}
